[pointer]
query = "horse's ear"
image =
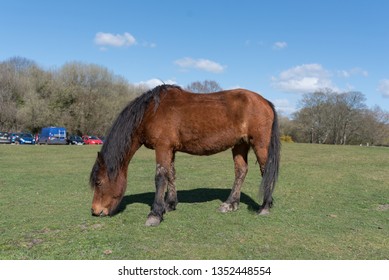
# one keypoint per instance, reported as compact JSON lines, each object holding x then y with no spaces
{"x":100,"y":159}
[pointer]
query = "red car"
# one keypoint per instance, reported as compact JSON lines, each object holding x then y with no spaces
{"x":92,"y":140}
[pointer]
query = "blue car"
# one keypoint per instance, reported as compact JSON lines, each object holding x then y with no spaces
{"x":25,"y":138}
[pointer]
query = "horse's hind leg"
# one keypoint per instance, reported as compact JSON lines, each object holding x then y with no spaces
{"x":239,"y":153}
{"x":262,"y":155}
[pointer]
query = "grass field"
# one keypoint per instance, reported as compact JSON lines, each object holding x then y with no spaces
{"x":331,"y":202}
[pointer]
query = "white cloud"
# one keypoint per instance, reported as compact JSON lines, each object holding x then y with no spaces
{"x":234,"y":87}
{"x":149,"y":45}
{"x":356,"y":71}
{"x":279,"y":45}
{"x":303,"y":79}
{"x":114,"y":40}
{"x":200,"y":64}
{"x":152,"y":83}
{"x":383,"y":87}
{"x":284,"y":106}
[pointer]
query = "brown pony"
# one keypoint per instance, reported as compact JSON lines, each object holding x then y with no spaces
{"x":169,"y":119}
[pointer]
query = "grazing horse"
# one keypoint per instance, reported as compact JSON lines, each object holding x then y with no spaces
{"x":169,"y":119}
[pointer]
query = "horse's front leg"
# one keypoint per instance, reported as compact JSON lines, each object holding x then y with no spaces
{"x":171,"y":195}
{"x":162,"y":178}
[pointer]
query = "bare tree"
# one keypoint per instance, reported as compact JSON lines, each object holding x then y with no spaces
{"x":82,"y":97}
{"x":330,"y":117}
{"x":313,"y":116}
{"x":89,"y":97}
{"x":206,"y":86}
{"x":14,"y":83}
{"x":374,"y":127}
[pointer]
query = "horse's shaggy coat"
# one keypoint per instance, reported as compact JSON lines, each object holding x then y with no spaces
{"x":169,"y":119}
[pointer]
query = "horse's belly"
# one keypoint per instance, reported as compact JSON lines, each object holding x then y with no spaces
{"x":208,"y":144}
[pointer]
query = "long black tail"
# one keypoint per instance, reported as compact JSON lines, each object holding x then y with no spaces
{"x":271,"y":170}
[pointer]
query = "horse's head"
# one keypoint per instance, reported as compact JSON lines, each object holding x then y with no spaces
{"x":108,"y":192}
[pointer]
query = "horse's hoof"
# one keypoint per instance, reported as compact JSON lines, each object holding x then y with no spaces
{"x":264,"y":212}
{"x":228,"y":207}
{"x":152,"y":221}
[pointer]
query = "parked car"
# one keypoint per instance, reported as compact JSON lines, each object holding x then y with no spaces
{"x":52,"y":135}
{"x":25,"y":138}
{"x":91,"y":140}
{"x":75,"y":140}
{"x":14,"y":136}
{"x":5,"y":138}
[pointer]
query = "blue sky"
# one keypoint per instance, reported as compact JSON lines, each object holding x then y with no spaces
{"x":281,"y":49}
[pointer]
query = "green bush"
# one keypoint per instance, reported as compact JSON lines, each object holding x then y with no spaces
{"x":287,"y":139}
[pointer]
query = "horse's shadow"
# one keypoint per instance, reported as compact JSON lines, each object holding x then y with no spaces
{"x":199,"y":195}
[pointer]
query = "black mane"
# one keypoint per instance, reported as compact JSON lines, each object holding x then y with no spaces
{"x":119,"y":138}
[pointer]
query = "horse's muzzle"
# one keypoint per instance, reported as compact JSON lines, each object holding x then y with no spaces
{"x":101,"y":214}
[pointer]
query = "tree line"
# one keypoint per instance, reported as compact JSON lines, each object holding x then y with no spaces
{"x":85,"y":98}
{"x":328,"y":117}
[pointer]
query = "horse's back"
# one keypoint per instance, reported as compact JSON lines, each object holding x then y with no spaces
{"x":205,"y":123}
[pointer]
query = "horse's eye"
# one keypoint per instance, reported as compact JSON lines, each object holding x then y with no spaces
{"x":98,"y":183}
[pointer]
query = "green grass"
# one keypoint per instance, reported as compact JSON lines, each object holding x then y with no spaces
{"x":331,"y":202}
